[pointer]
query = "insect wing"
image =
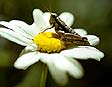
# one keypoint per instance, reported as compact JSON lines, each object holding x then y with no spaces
{"x":75,"y":39}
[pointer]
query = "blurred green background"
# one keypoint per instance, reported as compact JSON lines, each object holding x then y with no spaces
{"x":93,"y":15}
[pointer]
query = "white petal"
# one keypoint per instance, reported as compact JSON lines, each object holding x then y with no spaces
{"x":15,"y":37}
{"x":29,"y":48}
{"x":38,"y":19}
{"x":34,"y":29}
{"x":46,"y":58}
{"x":81,"y":32}
{"x":93,"y":40}
{"x":67,"y":17}
{"x":58,"y":75}
{"x":46,"y":17}
{"x":18,"y":26}
{"x":83,"y":52}
{"x":26,"y":60}
{"x":72,"y":67}
{"x":77,"y":66}
{"x":23,"y":27}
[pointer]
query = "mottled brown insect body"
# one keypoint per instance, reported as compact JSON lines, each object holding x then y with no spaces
{"x":69,"y":37}
{"x":58,"y":24}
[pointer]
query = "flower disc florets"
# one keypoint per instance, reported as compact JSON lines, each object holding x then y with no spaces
{"x":49,"y":42}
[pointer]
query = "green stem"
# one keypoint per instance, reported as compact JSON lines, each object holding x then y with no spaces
{"x":43,"y":76}
{"x":35,"y":77}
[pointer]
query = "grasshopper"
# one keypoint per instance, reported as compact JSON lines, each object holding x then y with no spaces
{"x":69,"y":36}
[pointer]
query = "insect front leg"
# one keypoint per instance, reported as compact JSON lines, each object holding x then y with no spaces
{"x":51,"y":26}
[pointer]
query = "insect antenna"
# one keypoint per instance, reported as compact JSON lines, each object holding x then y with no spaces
{"x":50,"y":5}
{"x":48,"y":8}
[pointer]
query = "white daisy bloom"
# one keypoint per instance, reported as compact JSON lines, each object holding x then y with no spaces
{"x":47,"y":49}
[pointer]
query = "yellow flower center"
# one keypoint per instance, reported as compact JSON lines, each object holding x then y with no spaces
{"x":49,"y":42}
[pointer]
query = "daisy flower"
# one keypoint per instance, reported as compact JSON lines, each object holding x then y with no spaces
{"x":48,"y":49}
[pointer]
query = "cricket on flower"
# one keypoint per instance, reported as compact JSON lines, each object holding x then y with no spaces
{"x":58,"y":46}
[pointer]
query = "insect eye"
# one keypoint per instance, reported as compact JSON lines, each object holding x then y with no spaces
{"x":84,"y":38}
